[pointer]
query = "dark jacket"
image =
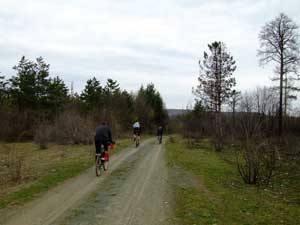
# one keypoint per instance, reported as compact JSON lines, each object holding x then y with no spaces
{"x":160,"y":131}
{"x":103,"y":134}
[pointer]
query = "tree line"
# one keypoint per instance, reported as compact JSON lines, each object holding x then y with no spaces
{"x":35,"y":105}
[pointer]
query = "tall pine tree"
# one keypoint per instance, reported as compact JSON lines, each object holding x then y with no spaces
{"x":216,"y":82}
{"x":216,"y":76}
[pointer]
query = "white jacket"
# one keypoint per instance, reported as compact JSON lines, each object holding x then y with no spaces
{"x":136,"y":125}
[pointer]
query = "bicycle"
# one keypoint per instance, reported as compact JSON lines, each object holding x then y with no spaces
{"x":102,"y":164}
{"x":136,"y":139}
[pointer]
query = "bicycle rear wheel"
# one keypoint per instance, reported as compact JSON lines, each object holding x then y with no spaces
{"x":98,"y":166}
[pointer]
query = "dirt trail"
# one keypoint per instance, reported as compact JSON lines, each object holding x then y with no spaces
{"x":134,"y":192}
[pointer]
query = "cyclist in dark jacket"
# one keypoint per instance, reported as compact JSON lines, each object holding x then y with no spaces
{"x":102,"y":137}
{"x":160,"y":132}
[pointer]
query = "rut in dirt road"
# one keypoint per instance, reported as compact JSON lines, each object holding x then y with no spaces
{"x":134,"y":191}
{"x":135,"y":194}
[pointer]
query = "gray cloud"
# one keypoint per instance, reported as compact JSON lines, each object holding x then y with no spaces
{"x":138,"y":42}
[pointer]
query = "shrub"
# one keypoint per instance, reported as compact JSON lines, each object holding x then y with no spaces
{"x":71,"y":128}
{"x":257,"y":161}
{"x":43,"y":135}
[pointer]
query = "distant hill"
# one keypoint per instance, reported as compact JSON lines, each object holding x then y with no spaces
{"x":176,"y":112}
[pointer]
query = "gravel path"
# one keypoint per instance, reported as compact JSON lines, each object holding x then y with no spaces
{"x":133,"y":192}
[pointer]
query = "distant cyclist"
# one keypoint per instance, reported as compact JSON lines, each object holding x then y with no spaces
{"x":160,"y":131}
{"x":103,"y":137}
{"x":136,"y":131}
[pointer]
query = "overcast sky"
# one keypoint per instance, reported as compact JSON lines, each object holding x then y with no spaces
{"x":138,"y":41}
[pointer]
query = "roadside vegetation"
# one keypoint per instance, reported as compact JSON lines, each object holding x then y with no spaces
{"x":261,"y":126}
{"x":209,"y":190}
{"x":26,"y":171}
{"x":36,"y":105}
{"x":47,"y":129}
{"x":236,"y":160}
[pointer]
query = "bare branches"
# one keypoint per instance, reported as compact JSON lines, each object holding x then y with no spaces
{"x":279,"y":40}
{"x":279,"y":43}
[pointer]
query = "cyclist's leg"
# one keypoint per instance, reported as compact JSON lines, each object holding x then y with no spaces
{"x":98,"y":148}
{"x":103,"y":146}
{"x":134,"y":134}
{"x":138,"y":135}
{"x":137,"y":143}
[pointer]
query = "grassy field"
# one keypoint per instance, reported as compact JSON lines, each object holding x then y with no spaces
{"x":208,"y":190}
{"x":26,"y":171}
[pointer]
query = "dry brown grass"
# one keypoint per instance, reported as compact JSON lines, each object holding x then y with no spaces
{"x":26,"y":171}
{"x":23,"y":163}
{"x":172,"y":139}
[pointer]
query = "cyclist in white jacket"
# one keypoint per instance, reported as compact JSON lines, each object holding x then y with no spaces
{"x":136,"y":130}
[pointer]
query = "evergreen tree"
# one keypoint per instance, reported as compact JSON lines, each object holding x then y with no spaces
{"x":199,"y":109}
{"x":24,"y":85}
{"x":4,"y":93}
{"x":216,"y":83}
{"x":111,"y":87}
{"x":215,"y":79}
{"x":92,"y":93}
{"x":57,"y":95}
{"x":42,"y":82}
{"x":33,"y":89}
{"x":154,"y":105}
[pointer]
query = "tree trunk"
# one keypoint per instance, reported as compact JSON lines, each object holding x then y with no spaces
{"x":218,"y":132}
{"x":233,"y":113}
{"x":285,"y":94}
{"x":280,"y":97}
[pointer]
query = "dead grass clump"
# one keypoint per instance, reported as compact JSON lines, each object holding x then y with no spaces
{"x":13,"y":166}
{"x":172,"y":139}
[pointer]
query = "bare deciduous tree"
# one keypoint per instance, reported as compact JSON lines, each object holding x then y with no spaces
{"x":279,"y":43}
